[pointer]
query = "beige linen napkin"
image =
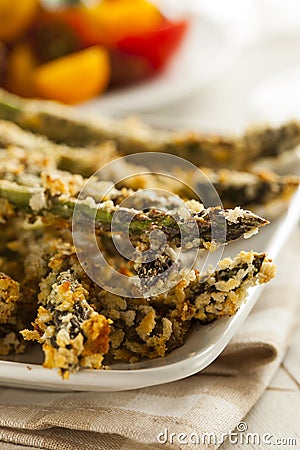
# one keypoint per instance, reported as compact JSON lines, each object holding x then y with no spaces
{"x":213,"y":401}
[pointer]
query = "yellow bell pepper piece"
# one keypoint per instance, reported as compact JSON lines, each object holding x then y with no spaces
{"x":15,"y":17}
{"x":74,"y":78}
{"x":21,"y":63}
{"x":109,"y":21}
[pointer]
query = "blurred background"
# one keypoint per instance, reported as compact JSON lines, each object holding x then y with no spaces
{"x":262,"y":79}
{"x":211,"y":65}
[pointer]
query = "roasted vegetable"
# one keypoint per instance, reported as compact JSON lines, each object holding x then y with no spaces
{"x":153,"y":326}
{"x":21,"y":65}
{"x":73,"y":334}
{"x":3,"y":63}
{"x":42,"y":202}
{"x":52,"y":37}
{"x":148,"y":327}
{"x":74,"y":78}
{"x":15,"y":19}
{"x":263,"y":192}
{"x":156,"y":46}
{"x":61,"y":125}
{"x":108,"y":22}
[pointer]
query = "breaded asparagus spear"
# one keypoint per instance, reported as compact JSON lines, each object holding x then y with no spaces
{"x":140,"y":328}
{"x":41,"y":153}
{"x":40,"y":202}
{"x":11,"y":341}
{"x":12,"y":316}
{"x":264,"y":192}
{"x":148,"y":327}
{"x":55,"y":197}
{"x":249,"y":189}
{"x":73,"y":334}
{"x":9,"y":296}
{"x":60,"y":124}
{"x":6,"y":212}
{"x":153,"y":326}
{"x":223,"y":292}
{"x":18,"y":286}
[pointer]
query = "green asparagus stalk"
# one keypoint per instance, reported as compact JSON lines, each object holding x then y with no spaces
{"x":38,"y":202}
{"x":62,"y":125}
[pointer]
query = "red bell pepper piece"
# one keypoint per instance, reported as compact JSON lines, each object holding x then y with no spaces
{"x":156,"y":46}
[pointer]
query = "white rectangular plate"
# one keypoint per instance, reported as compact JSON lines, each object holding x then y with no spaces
{"x":202,"y":347}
